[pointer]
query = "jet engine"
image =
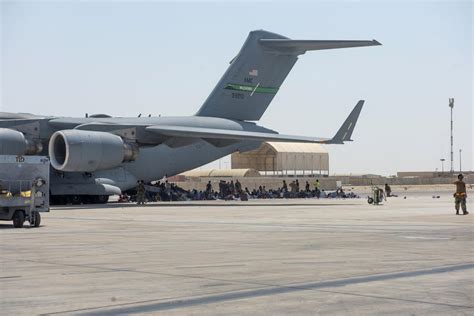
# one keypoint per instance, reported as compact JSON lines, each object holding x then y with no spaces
{"x":87,"y":151}
{"x":13,"y":142}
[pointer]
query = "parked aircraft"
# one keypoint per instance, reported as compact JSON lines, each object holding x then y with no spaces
{"x":99,"y":155}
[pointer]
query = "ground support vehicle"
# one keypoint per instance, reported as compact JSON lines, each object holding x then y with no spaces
{"x":24,"y":189}
{"x":377,"y":197}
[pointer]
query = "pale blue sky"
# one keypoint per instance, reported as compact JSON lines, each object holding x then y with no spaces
{"x":124,"y":58}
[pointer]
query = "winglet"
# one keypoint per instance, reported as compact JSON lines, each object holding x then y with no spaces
{"x":345,"y":132}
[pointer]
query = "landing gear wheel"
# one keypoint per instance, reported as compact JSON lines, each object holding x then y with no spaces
{"x":103,"y":199}
{"x":97,"y":199}
{"x":370,"y":200}
{"x":18,"y":219}
{"x":58,"y":199}
{"x":36,"y":220}
{"x":75,"y":199}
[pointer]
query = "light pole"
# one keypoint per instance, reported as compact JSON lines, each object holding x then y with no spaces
{"x":442,"y":164}
{"x":460,"y":165}
{"x":451,"y":105}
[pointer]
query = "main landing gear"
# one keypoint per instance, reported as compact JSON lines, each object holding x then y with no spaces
{"x":78,"y":199}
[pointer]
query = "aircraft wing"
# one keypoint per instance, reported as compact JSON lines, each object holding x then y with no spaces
{"x":214,"y":133}
{"x":175,"y":135}
{"x":343,"y":134}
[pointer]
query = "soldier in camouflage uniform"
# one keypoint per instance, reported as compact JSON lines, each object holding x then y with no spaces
{"x":141,"y":193}
{"x":460,"y":195}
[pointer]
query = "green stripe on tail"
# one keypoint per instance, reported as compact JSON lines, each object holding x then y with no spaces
{"x":251,"y":89}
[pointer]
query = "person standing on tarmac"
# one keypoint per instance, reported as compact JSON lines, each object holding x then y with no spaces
{"x":232,"y":187}
{"x":284,"y":187}
{"x":460,"y":195}
{"x":141,"y":193}
{"x":208,"y":190}
{"x":317,"y":185}
{"x":238,"y":187}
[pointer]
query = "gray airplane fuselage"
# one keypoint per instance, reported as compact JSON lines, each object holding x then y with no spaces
{"x":100,"y":155}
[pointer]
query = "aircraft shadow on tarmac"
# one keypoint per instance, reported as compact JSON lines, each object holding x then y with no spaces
{"x":191,"y":204}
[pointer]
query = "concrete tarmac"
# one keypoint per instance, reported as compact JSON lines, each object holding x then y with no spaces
{"x":298,"y":257}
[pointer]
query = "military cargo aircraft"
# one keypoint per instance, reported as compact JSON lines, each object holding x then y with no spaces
{"x":97,"y":156}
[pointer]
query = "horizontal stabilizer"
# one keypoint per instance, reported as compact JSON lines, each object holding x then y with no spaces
{"x":18,"y":116}
{"x":301,"y":46}
{"x":213,"y":133}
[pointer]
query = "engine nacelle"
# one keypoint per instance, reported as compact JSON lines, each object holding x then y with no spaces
{"x":87,"y":151}
{"x":13,"y":142}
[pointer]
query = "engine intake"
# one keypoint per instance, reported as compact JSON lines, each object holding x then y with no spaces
{"x":13,"y":142}
{"x":87,"y":151}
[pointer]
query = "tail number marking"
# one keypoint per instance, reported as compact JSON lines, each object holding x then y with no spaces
{"x":237,"y":95}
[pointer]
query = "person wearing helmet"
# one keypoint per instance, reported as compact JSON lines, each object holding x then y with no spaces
{"x":460,"y":195}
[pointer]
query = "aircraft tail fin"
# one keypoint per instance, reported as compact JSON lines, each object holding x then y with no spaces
{"x":345,"y":131}
{"x":256,"y":74}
